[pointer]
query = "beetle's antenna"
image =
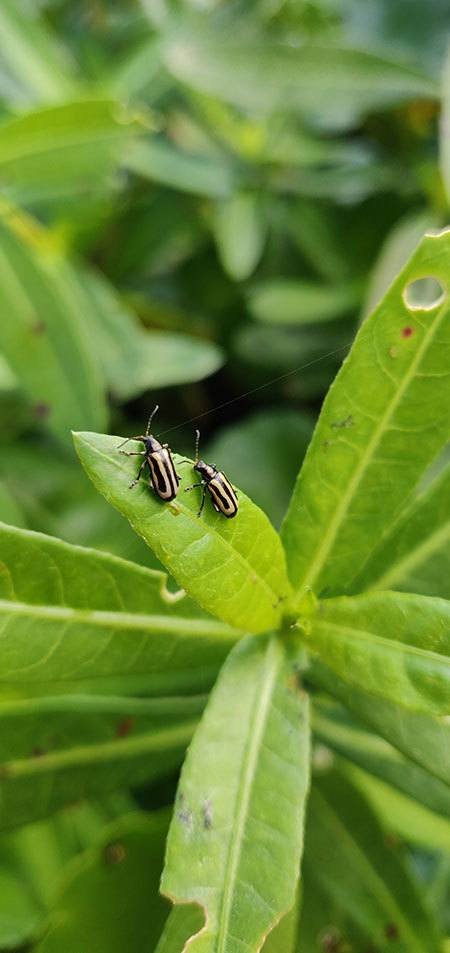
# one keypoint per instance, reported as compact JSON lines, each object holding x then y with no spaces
{"x":150,"y":419}
{"x":255,"y":390}
{"x":197,"y":441}
{"x":124,"y":442}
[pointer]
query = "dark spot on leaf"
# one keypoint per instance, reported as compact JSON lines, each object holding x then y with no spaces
{"x":114,"y":853}
{"x":38,"y":752}
{"x":407,"y":332}
{"x":343,"y":424}
{"x":391,"y":841}
{"x":330,"y":940}
{"x":391,"y":931}
{"x":4,"y":772}
{"x":207,"y":815}
{"x":125,"y":727}
{"x":39,"y":327}
{"x":41,"y":410}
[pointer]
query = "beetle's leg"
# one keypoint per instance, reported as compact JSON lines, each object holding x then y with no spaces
{"x":193,"y":486}
{"x":133,"y":483}
{"x":203,"y":500}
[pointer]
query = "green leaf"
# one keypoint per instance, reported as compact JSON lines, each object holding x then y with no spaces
{"x":333,"y":726}
{"x":239,"y":230}
{"x":383,"y":421}
{"x":233,"y":568}
{"x":408,"y":819}
{"x":230,"y":848}
{"x":285,"y":301}
{"x":98,"y":618}
{"x":415,"y":555}
{"x":337,"y":84}
{"x":83,"y":747}
{"x":366,"y":875}
{"x":10,"y":511}
{"x":133,"y":359}
{"x":111,"y":892}
{"x":444,"y":140}
{"x":64,"y":149}
{"x":182,"y":923}
{"x":161,"y":162}
{"x":44,"y":339}
{"x":266,"y":450}
{"x":425,"y":739}
{"x":393,"y":645}
{"x":41,"y":69}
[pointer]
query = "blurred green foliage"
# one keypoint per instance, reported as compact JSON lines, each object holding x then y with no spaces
{"x":199,"y":201}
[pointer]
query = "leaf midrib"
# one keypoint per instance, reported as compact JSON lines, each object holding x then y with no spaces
{"x":119,"y":750}
{"x":122,"y":620}
{"x":344,"y":505}
{"x":263,"y":695}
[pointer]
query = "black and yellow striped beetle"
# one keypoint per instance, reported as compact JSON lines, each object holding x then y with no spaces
{"x":163,"y":477}
{"x":221,"y":491}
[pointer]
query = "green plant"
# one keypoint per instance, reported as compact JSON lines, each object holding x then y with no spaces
{"x":117,"y":670}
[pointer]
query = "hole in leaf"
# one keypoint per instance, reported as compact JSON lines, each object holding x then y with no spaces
{"x":424,"y":294}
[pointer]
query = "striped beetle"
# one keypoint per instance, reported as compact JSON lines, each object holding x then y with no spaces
{"x":222,"y":493}
{"x":163,"y":477}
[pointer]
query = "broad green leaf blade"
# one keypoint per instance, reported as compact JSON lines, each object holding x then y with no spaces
{"x":43,"y":337}
{"x":285,"y":301}
{"x":233,"y":568}
{"x":385,"y":418}
{"x":55,"y":751}
{"x":425,"y":739}
{"x":161,"y":162}
{"x":415,"y":554}
{"x":94,"y":617}
{"x":240,"y":231}
{"x":62,"y":150}
{"x":392,"y":645}
{"x":333,"y":726}
{"x":110,"y":892}
{"x":42,"y":70}
{"x":346,"y":851}
{"x":230,"y":847}
{"x":338,"y":84}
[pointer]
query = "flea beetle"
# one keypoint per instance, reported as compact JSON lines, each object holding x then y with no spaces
{"x":223,"y":495}
{"x":157,"y":456}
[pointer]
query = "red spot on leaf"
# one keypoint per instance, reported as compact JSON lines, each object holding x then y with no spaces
{"x":39,"y":327}
{"x":391,"y":931}
{"x":125,"y":727}
{"x":407,"y":332}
